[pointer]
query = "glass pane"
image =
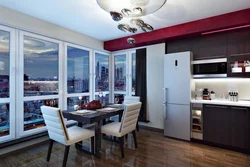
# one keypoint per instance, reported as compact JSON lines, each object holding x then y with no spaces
{"x":72,"y":102}
{"x":103,"y":98}
{"x":4,"y":119}
{"x":4,"y":64}
{"x":40,"y":67}
{"x":32,"y":113}
{"x":102,"y":72}
{"x":78,"y":70}
{"x":120,"y":73}
{"x":119,"y":98}
{"x":133,"y":71}
{"x":240,"y":66}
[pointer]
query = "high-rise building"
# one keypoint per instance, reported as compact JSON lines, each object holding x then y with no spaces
{"x":103,"y":71}
{"x":107,"y":74}
{"x":121,"y":73}
{"x":117,"y":73}
{"x":97,"y":70}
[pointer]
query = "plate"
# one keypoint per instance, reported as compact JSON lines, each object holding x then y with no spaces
{"x":82,"y":111}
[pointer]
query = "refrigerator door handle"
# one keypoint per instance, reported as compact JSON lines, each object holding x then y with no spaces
{"x":165,"y":95}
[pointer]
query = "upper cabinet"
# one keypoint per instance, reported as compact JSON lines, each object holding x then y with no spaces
{"x":238,"y":42}
{"x":238,"y":51}
{"x":210,"y":46}
{"x":203,"y":47}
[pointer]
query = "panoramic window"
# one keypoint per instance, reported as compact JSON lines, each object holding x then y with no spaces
{"x":78,"y":70}
{"x":101,"y":72}
{"x":80,"y":102}
{"x":40,"y":67}
{"x":120,"y":73}
{"x":32,"y":113}
{"x":4,"y":82}
{"x":4,"y":64}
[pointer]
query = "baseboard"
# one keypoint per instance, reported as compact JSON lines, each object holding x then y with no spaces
{"x":151,"y":128}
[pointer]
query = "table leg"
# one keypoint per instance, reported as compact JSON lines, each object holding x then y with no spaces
{"x":80,"y":142}
{"x":120,"y":117}
{"x":98,"y":140}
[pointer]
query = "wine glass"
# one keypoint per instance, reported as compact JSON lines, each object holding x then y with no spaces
{"x":116,"y":100}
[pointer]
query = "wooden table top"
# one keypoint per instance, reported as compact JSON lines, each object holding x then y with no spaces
{"x":92,"y":117}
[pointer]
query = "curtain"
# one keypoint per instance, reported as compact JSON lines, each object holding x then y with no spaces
{"x":141,"y":82}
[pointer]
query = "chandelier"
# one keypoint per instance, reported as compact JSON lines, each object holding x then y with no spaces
{"x":132,"y":9}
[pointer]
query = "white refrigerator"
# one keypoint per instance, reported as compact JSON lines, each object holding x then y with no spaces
{"x":178,"y":85}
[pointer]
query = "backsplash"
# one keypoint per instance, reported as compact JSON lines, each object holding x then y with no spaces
{"x":221,"y":86}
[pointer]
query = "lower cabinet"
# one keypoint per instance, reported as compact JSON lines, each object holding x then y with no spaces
{"x":240,"y":127}
{"x":217,"y":124}
{"x":227,"y":125}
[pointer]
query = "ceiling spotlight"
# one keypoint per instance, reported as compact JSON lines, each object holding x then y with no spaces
{"x":123,"y":27}
{"x":126,"y":12}
{"x":137,"y":10}
{"x":137,"y":22}
{"x":131,"y":41}
{"x":131,"y":29}
{"x":147,"y":28}
{"x":116,"y":16}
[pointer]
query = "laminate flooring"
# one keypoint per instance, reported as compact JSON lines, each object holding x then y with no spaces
{"x":154,"y":150}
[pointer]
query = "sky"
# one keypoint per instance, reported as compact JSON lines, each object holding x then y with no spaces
{"x":41,"y":58}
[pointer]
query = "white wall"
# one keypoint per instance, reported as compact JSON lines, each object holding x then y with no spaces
{"x":29,"y":23}
{"x":155,"y":84}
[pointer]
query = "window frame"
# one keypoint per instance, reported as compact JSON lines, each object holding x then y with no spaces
{"x":110,"y":75}
{"x":20,"y":84}
{"x":12,"y":85}
{"x":66,"y":95}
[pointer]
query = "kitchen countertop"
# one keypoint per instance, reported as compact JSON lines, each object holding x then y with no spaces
{"x":223,"y":102}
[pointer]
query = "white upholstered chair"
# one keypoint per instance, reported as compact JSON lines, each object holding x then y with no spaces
{"x":58,"y":132}
{"x":127,"y":124}
{"x":131,"y":99}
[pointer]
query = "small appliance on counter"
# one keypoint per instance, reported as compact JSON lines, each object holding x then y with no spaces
{"x":206,"y":94}
{"x":212,"y":95}
{"x":198,"y":94}
{"x":233,"y":95}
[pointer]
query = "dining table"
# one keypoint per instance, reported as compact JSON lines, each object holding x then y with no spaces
{"x":96,"y":117}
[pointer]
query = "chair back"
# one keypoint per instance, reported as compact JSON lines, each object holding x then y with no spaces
{"x":130,"y":117}
{"x":55,"y":124}
{"x":131,"y":99}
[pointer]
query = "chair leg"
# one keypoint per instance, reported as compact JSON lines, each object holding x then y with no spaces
{"x":126,"y":136}
{"x":134,"y":136}
{"x":121,"y":142}
{"x":50,"y":149}
{"x":93,"y":145}
{"x":137,"y":126}
{"x":66,"y":153}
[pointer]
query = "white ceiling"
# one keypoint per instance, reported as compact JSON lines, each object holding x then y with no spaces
{"x":86,"y":17}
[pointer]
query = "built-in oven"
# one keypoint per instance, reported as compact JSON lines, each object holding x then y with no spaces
{"x":211,"y":68}
{"x":196,"y":121}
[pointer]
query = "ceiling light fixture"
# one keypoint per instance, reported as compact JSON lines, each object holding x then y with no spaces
{"x":131,"y":9}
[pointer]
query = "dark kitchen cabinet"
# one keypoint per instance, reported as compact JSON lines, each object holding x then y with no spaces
{"x":227,"y":126}
{"x":239,"y":65}
{"x":238,"y":42}
{"x":240,"y":127}
{"x":211,"y":46}
{"x":217,"y":124}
